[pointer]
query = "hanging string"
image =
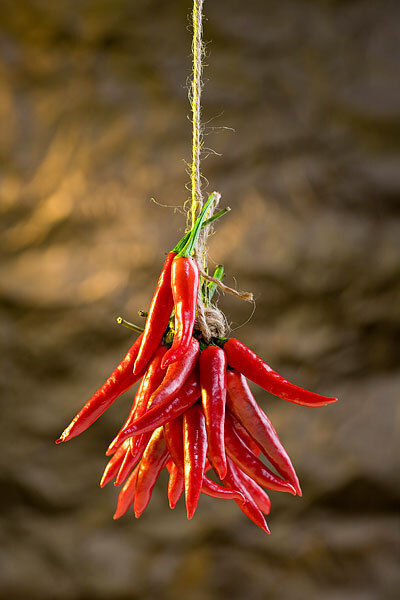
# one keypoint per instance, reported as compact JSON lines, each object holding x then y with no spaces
{"x":195,"y":101}
{"x":210,"y":319}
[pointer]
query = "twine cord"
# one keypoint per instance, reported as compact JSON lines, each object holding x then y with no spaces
{"x":210,"y":319}
{"x":195,"y":102}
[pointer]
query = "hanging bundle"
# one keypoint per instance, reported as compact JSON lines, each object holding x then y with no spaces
{"x":194,"y":411}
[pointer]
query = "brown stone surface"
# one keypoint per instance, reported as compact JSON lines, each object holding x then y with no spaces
{"x":93,"y":114}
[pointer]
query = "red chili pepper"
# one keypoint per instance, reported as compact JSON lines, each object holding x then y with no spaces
{"x":244,"y":458}
{"x":120,"y":380}
{"x":195,"y":454}
{"x":185,"y":289}
{"x":213,"y":393}
{"x":260,"y":497}
{"x":173,"y":433}
{"x":114,"y":464}
{"x":155,"y":457}
{"x":176,"y":484}
{"x":247,"y":362}
{"x":150,"y":382}
{"x":249,"y":506}
{"x":212,"y":489}
{"x":127,"y":494}
{"x":244,"y":434}
{"x":242,"y":404}
{"x":176,"y":375}
{"x":158,"y":317}
{"x":166,"y":411}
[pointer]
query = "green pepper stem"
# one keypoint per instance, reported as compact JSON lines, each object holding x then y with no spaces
{"x":188,"y":248}
{"x":218,"y":274}
{"x":143,"y":313}
{"x":128,"y":325}
{"x":215,"y":217}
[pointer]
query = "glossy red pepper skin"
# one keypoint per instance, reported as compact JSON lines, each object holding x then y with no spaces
{"x":176,"y":376}
{"x":248,"y":462}
{"x":242,"y":404}
{"x":173,"y":433}
{"x":249,"y":506}
{"x":214,"y":490}
{"x":260,"y":497}
{"x":195,"y":454}
{"x":244,"y":434}
{"x":114,"y":464}
{"x":158,"y":316}
{"x":244,"y":360}
{"x":155,"y":458}
{"x":185,"y":289}
{"x":176,"y":484}
{"x":127,"y":494}
{"x":150,"y":382}
{"x":120,"y":380}
{"x":166,"y":411}
{"x":213,"y":394}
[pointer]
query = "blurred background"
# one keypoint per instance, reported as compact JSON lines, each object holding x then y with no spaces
{"x":301,"y":103}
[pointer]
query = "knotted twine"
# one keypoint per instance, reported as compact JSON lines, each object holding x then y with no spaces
{"x":210,"y":319}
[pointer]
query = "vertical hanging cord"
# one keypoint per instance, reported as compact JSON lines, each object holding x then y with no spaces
{"x":195,"y":97}
{"x":210,"y":320}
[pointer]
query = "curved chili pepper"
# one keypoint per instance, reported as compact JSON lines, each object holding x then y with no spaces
{"x":154,"y":459}
{"x":176,"y":375}
{"x":244,"y":434}
{"x":150,"y":382}
{"x":158,"y":317}
{"x":114,"y":464}
{"x":132,"y":456}
{"x":120,"y":380}
{"x":260,"y":497}
{"x":214,"y":490}
{"x":213,"y":393}
{"x":166,"y":411}
{"x":127,"y":494}
{"x":244,"y":458}
{"x":173,"y":433}
{"x":195,"y":454}
{"x":242,"y":404}
{"x":176,"y":484}
{"x":249,"y":506}
{"x":247,"y":362}
{"x":185,"y":289}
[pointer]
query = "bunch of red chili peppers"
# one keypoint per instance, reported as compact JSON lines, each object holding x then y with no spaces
{"x":193,"y":410}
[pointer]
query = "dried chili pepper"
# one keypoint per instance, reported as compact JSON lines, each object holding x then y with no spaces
{"x":249,"y":463}
{"x":114,"y":464}
{"x":244,"y":434}
{"x":195,"y":454}
{"x":150,"y":382}
{"x":213,"y":393}
{"x":176,"y":375}
{"x":154,"y":459}
{"x":176,"y":484}
{"x":166,"y":411}
{"x":127,"y":494}
{"x":247,"y":362}
{"x":260,"y":497}
{"x":120,"y":380}
{"x":185,"y":289}
{"x":249,"y":506}
{"x":173,"y":433}
{"x":158,"y":317}
{"x":242,"y":404}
